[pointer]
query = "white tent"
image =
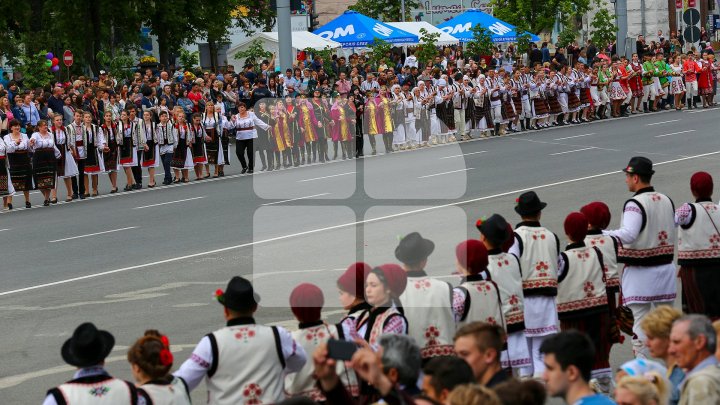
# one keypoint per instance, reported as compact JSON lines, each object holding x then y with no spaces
{"x":415,"y":26}
{"x":269,"y":41}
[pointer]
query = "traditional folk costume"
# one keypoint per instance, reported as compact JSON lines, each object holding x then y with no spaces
{"x":6,"y":186}
{"x":217,"y":148}
{"x":617,"y":92}
{"x":676,"y":81}
{"x":246,"y":130}
{"x":478,"y":111}
{"x":424,"y":122}
{"x":461,"y":94}
{"x":647,"y":234}
{"x":508,"y":106}
{"x":398,"y":113}
{"x":538,"y":250}
{"x":412,"y":109}
{"x":574,"y":81}
{"x":66,"y":165}
{"x":281,"y":140}
{"x":322,"y":116}
{"x":308,"y":124}
{"x":636,"y":81}
{"x":342,"y":130}
{"x":583,"y":89}
{"x":552,"y":94}
{"x":582,"y":299}
{"x":496,"y":91}
{"x":264,"y":145}
{"x":151,"y":156}
{"x":44,"y":161}
{"x":111,"y":158}
{"x":539,"y":100}
{"x":172,"y":390}
{"x":561,"y":90}
{"x":598,"y":216}
{"x":389,"y":318}
{"x":650,"y":91}
{"x":244,"y":362}
{"x":165,"y":139}
{"x":444,"y":110}
{"x":199,"y":153}
{"x":384,"y":117}
{"x":699,"y":249}
{"x":128,"y":141}
{"x":182,"y":155}
{"x":705,"y":81}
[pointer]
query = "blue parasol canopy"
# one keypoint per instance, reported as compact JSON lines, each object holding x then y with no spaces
{"x":461,"y":27}
{"x":354,"y":30}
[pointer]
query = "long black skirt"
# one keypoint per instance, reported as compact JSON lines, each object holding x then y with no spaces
{"x":20,"y":171}
{"x":44,"y":168}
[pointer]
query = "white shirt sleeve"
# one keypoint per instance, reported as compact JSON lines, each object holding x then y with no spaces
{"x":49,"y":400}
{"x":515,"y":248}
{"x":630,"y":226}
{"x":260,"y":122}
{"x":295,"y":356}
{"x":194,"y":369}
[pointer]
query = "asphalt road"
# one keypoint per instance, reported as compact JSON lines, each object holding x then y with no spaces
{"x":152,"y":258}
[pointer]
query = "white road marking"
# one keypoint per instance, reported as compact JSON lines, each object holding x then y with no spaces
{"x":169,"y":202}
{"x":571,"y":151}
{"x":3,"y":230}
{"x":463,"y":154}
{"x":326,"y":177}
{"x":440,"y":174}
{"x":574,"y":136}
{"x":674,"y":133}
{"x":191,"y":305}
{"x":334,"y":227}
{"x":662,"y":122}
{"x":295,"y":199}
{"x":93,"y":234}
{"x":702,"y":111}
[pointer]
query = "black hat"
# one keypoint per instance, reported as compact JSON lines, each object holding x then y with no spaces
{"x":413,"y":248}
{"x":639,"y":165}
{"x":529,"y":203}
{"x":88,"y":346}
{"x":239,"y":295}
{"x":495,"y":229}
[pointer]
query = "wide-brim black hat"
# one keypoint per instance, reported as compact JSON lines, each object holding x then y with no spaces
{"x":639,"y":165}
{"x":413,"y":248}
{"x":529,"y":203}
{"x":88,"y":346}
{"x":239,"y":295}
{"x":495,"y":229}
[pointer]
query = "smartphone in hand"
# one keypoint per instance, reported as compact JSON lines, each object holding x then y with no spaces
{"x":341,"y":350}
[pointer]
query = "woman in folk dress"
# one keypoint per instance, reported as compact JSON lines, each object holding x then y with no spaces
{"x":20,"y":169}
{"x":44,"y":160}
{"x":215,"y":126}
{"x":182,"y":156}
{"x":94,"y":164}
{"x":110,"y":151}
{"x":150,"y":156}
{"x":67,"y":168}
{"x":677,"y":87}
{"x":199,"y":153}
{"x":127,"y":149}
{"x":6,"y":187}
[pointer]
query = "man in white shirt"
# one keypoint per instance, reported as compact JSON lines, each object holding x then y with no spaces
{"x":243,"y":362}
{"x":411,"y":60}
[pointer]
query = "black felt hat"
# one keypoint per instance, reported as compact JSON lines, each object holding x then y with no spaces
{"x":639,"y":165}
{"x":413,"y":248}
{"x":495,"y":229}
{"x":529,"y":203}
{"x":88,"y":346}
{"x":239,"y":295}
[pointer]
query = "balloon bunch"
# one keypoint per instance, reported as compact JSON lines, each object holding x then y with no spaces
{"x":52,"y":62}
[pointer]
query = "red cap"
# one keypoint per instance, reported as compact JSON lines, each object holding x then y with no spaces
{"x":306,"y":302}
{"x":701,"y":184}
{"x":395,"y":277}
{"x":576,"y":226}
{"x":597,"y":214}
{"x":353,"y":280}
{"x":472,"y":255}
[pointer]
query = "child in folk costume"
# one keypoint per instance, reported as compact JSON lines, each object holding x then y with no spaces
{"x":705,"y":78}
{"x":44,"y":160}
{"x":308,"y":124}
{"x":691,"y":70}
{"x":199,"y":153}
{"x":516,"y":93}
{"x":67,"y":168}
{"x":582,"y":299}
{"x":604,"y":76}
{"x":151,"y":361}
{"x":165,"y":139}
{"x":306,"y":303}
{"x":128,"y":142}
{"x":150,"y":156}
{"x":496,"y":90}
{"x":282,"y":138}
{"x":110,"y":153}
{"x":538,"y":250}
{"x":182,"y":160}
{"x":94,"y":142}
{"x":505,"y":271}
{"x":617,"y":92}
{"x":561,"y":91}
{"x":215,"y":126}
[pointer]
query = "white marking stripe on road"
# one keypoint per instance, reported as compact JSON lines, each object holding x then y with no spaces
{"x":463,"y":154}
{"x":662,"y":122}
{"x":93,"y":234}
{"x":571,"y":151}
{"x":326,"y":177}
{"x":330,"y":228}
{"x":295,"y":199}
{"x":169,"y":202}
{"x":574,"y":136}
{"x":702,"y":111}
{"x":674,"y":133}
{"x":443,"y":173}
{"x":3,"y":230}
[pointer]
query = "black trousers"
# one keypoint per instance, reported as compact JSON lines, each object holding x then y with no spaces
{"x":78,"y":187}
{"x":166,"y":159}
{"x":137,"y":170}
{"x":359,"y":138}
{"x":243,"y":147}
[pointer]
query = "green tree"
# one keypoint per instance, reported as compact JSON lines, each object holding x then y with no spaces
{"x":14,"y":19}
{"x":189,"y":60}
{"x":523,"y":38}
{"x":604,"y":28}
{"x":121,"y":66}
{"x":172,"y":25}
{"x":481,"y":44}
{"x":379,"y":50}
{"x":538,"y":15}
{"x":34,"y":70}
{"x":427,"y":50}
{"x":567,"y":36}
{"x":254,"y":54}
{"x":385,"y":10}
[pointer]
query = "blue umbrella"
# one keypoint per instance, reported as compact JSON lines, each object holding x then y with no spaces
{"x":461,"y":27}
{"x":354,"y":30}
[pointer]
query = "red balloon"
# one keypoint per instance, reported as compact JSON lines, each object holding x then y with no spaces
{"x":55,"y":61}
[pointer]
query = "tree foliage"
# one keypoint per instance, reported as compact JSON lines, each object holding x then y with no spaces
{"x":379,"y":50}
{"x":481,"y":44}
{"x":523,"y":38}
{"x":427,"y":50}
{"x":189,"y":60}
{"x":121,"y":66}
{"x":34,"y":71}
{"x":254,"y":54}
{"x":604,"y":28}
{"x":567,"y":36}
{"x":13,"y":17}
{"x":385,"y":10}
{"x":538,"y":15}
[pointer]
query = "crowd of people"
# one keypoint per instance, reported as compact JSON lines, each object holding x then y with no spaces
{"x":78,"y":130}
{"x":528,"y":319}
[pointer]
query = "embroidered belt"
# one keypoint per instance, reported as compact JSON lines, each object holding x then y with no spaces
{"x":246,"y":128}
{"x":79,"y":143}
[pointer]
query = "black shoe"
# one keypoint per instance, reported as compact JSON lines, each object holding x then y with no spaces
{"x":46,"y":203}
{"x":128,"y":188}
{"x":137,"y":186}
{"x":74,"y":196}
{"x":27,"y":204}
{"x":221,"y":174}
{"x":250,"y":171}
{"x":82,"y":196}
{"x":244,"y":170}
{"x":10,"y":207}
{"x":53,"y":201}
{"x":113,"y":191}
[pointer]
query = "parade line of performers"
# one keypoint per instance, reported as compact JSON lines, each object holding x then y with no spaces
{"x":520,"y":290}
{"x":296,"y":131}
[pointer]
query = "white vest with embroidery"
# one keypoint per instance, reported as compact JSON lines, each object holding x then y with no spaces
{"x":538,"y":260}
{"x":248,"y":368}
{"x":699,"y":243}
{"x":170,"y":394}
{"x":376,"y":329}
{"x":111,"y":391}
{"x":655,"y":245}
{"x":485,"y":303}
{"x":504,"y":269}
{"x":303,"y":383}
{"x":428,"y":309}
{"x":608,"y":247}
{"x":582,"y":286}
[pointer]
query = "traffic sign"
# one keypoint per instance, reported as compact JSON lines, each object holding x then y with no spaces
{"x":692,"y":34}
{"x":678,"y":4}
{"x":691,"y":3}
{"x":691,"y":16}
{"x":68,"y":58}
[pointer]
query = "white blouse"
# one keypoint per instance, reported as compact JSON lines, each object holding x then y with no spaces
{"x":246,"y":126}
{"x":12,"y":147}
{"x":44,"y":142}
